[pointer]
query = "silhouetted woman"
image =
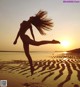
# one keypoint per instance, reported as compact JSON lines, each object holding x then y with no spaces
{"x":41,"y":23}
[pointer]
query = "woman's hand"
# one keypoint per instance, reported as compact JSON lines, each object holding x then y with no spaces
{"x":34,"y":39}
{"x":14,"y":42}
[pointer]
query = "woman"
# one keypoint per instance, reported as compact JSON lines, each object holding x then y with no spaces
{"x":41,"y":23}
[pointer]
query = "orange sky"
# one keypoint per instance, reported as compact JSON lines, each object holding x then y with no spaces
{"x":66,"y":18}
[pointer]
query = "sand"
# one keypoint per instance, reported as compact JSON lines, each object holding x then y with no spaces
{"x":58,"y":72}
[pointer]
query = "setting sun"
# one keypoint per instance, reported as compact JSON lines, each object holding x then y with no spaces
{"x":65,"y":43}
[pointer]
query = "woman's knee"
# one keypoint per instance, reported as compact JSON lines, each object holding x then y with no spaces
{"x":35,"y":43}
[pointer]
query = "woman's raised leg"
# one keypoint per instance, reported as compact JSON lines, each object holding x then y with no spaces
{"x":37,"y":43}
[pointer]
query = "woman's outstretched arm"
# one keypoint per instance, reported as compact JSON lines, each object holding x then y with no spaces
{"x":32,"y":33}
{"x":16,"y":38}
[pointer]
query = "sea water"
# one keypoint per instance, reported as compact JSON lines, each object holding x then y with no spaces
{"x":36,"y":55}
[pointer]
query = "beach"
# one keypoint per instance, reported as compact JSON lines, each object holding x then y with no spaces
{"x":51,"y":69}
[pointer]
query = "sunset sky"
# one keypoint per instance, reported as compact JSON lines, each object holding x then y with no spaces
{"x":66,"y":18}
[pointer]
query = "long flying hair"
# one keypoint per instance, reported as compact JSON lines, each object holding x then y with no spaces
{"x":41,"y":22}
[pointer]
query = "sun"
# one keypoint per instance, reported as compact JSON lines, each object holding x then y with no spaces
{"x":65,"y":43}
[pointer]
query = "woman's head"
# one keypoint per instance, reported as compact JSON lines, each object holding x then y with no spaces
{"x":41,"y":22}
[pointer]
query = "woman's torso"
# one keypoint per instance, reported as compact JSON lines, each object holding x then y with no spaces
{"x":24,"y":26}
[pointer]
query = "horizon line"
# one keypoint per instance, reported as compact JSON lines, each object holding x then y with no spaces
{"x":30,"y":51}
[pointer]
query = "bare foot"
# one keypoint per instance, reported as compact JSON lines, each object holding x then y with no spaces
{"x":55,"y":42}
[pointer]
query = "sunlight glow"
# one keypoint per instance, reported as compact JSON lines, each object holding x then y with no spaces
{"x":65,"y":43}
{"x":65,"y":59}
{"x":65,"y":52}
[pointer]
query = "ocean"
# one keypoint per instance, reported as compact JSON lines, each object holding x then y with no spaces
{"x":36,"y":55}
